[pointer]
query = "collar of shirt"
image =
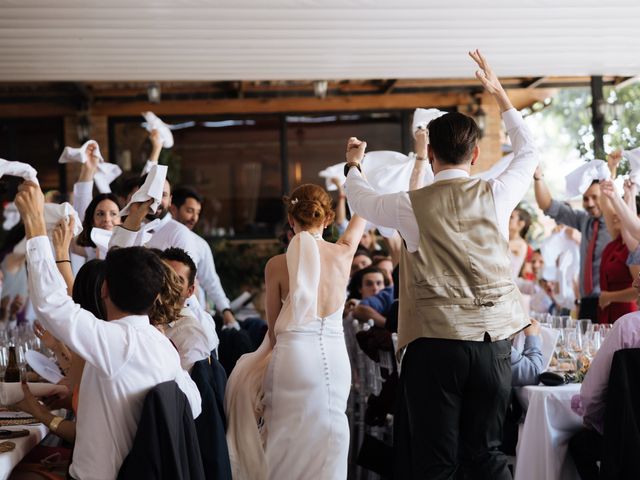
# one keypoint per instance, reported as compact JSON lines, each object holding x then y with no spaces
{"x":134,"y":320}
{"x":450,"y":173}
{"x":161,"y":222}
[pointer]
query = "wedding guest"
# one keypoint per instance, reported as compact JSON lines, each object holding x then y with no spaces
{"x":361,"y":259}
{"x":519,"y":224}
{"x":125,"y":356}
{"x":526,"y":366}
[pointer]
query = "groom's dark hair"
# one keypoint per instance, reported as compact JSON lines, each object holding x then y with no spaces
{"x":453,"y":137}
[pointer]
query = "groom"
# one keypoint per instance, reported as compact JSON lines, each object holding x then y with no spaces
{"x":458,"y":303}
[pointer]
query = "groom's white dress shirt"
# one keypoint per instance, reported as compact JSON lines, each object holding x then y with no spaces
{"x":394,"y":210}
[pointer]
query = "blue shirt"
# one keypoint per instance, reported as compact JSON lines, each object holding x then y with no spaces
{"x":526,"y":367}
{"x":381,"y":302}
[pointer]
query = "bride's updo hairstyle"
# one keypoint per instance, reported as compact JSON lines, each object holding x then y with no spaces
{"x":310,"y":205}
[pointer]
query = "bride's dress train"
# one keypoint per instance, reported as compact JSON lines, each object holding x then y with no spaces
{"x":297,"y":392}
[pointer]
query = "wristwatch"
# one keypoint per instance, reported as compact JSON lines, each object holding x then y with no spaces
{"x":350,"y":165}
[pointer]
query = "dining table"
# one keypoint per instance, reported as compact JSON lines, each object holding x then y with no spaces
{"x":543,"y":439}
{"x":9,"y":460}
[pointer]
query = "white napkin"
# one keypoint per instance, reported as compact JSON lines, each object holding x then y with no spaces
{"x":422,"y":117}
{"x":334,"y":171}
{"x":633,"y":156}
{"x":11,"y":393}
{"x":154,"y":123}
{"x":107,"y":172}
{"x":496,"y":169}
{"x":79,"y":155}
{"x":18,"y":169}
{"x":581,"y":178}
{"x":11,"y":216}
{"x":151,"y":188}
{"x":54,"y":212}
{"x":102,"y":237}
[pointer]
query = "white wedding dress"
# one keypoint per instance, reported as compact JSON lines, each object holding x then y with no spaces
{"x":297,"y":392}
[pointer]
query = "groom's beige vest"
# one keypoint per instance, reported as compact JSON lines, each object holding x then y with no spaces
{"x":458,"y":284}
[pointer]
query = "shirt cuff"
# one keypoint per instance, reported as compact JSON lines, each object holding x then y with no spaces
{"x":39,"y":248}
{"x":553,"y":209}
{"x":512,"y":118}
{"x":83,"y":188}
{"x":532,"y":341}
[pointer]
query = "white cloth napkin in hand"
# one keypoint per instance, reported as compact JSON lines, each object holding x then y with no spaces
{"x":633,"y":156}
{"x":18,"y":169}
{"x":54,"y":212}
{"x":154,"y":123}
{"x":422,"y":117}
{"x":578,"y":181}
{"x":102,"y":237}
{"x":107,"y":172}
{"x":79,"y":155}
{"x":334,"y":171}
{"x":11,"y":216}
{"x":150,"y":189}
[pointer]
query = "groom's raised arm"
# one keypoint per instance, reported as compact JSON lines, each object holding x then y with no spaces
{"x":379,"y":209}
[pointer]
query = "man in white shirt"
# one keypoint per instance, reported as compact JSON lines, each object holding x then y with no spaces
{"x":125,"y":356}
{"x":186,"y":206}
{"x":194,"y":339}
{"x":458,"y":303}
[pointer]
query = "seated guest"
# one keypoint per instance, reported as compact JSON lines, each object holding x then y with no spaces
{"x":361,"y":259}
{"x":375,"y":307}
{"x":124,"y":356}
{"x":386,"y":265}
{"x":586,"y":446}
{"x":193,"y":341}
{"x":364,"y":283}
{"x":526,"y":366}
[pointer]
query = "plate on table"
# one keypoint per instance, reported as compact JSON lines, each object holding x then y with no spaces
{"x":11,"y":393}
{"x":43,"y":366}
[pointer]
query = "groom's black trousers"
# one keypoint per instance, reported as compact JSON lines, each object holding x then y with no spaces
{"x":452,"y":400}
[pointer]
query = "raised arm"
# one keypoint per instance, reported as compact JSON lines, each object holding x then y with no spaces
{"x":156,"y":149}
{"x":417,"y":174}
{"x":628,"y":219}
{"x":61,"y":239}
{"x":543,"y":196}
{"x":341,"y":204}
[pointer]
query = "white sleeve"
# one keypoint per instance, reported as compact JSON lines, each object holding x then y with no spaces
{"x":206,"y":320}
{"x":209,"y":279}
{"x":123,"y":237}
{"x":511,"y":185}
{"x":104,"y":345}
{"x":82,"y":196}
{"x":190,"y":389}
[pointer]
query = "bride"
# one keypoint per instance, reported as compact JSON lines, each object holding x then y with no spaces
{"x":286,"y":402}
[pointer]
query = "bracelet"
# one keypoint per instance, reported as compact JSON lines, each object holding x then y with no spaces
{"x":537,"y":179}
{"x":341,"y":196}
{"x":63,"y":261}
{"x":55,"y":423}
{"x":420,"y":159}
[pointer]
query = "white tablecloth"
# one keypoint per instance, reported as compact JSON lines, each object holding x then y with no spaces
{"x":24,"y":445}
{"x":543,"y":439}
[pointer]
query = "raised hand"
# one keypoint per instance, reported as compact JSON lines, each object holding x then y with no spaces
{"x":137,"y":212}
{"x":61,"y":237}
{"x":420,"y":142}
{"x":156,"y":145}
{"x":355,"y":150}
{"x":30,"y":204}
{"x":490,"y":80}
{"x":613,"y":160}
{"x":608,"y":189}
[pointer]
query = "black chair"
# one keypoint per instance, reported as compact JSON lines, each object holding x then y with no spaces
{"x":166,"y":445}
{"x":622,"y":418}
{"x":211,"y":380}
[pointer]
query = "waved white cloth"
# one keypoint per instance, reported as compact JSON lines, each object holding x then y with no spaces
{"x":422,"y":117}
{"x":102,"y":237}
{"x":543,"y":440}
{"x":633,"y":156}
{"x":496,"y":169}
{"x":79,"y":155}
{"x":154,"y":123}
{"x":107,"y":172}
{"x":150,"y":189}
{"x":334,"y":171}
{"x":18,"y":169}
{"x":578,"y":181}
{"x":305,"y":387}
{"x":54,"y":212}
{"x":11,"y":216}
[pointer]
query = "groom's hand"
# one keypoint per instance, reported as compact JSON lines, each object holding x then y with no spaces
{"x":490,"y":81}
{"x":355,"y":150}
